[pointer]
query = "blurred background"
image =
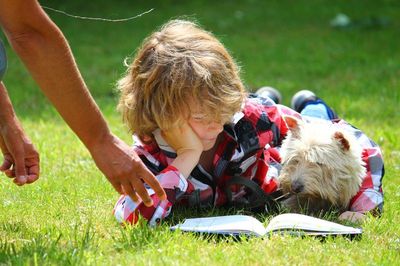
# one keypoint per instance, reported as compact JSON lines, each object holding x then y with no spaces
{"x":346,"y":51}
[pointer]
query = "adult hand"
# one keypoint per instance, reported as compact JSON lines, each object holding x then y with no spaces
{"x":20,"y":158}
{"x":124,"y":169}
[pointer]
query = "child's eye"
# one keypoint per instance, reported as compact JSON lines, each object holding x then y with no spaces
{"x":198,"y":117}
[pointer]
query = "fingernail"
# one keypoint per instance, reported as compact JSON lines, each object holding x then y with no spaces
{"x":22,"y":179}
{"x":149,"y":203}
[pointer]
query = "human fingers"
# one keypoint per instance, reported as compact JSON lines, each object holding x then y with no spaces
{"x":33,"y":173}
{"x":7,"y":163}
{"x":7,"y":158}
{"x":150,"y":179}
{"x":174,"y":138}
{"x":117,"y":186}
{"x":33,"y":167}
{"x":20,"y":170}
{"x":182,"y":138}
{"x":350,"y":216}
{"x":20,"y":180}
{"x":142,"y":192}
{"x":10,"y":173}
{"x":130,"y":191}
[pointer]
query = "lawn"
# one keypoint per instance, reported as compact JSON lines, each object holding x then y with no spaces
{"x":65,"y":217}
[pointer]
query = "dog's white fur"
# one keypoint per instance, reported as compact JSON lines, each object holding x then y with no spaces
{"x":322,"y":166}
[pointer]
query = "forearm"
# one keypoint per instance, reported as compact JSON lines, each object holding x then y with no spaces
{"x":45,"y":52}
{"x":7,"y":114}
{"x":186,"y":162}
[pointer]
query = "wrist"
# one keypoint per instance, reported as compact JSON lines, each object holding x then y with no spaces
{"x":98,"y":140}
{"x":186,"y":161}
{"x":7,"y":121}
{"x":191,"y":156}
{"x":9,"y":124}
{"x":7,"y":114}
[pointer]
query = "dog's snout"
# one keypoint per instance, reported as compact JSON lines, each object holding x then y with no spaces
{"x":297,"y":186}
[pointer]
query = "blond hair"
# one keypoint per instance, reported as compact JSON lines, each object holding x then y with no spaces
{"x":178,"y":63}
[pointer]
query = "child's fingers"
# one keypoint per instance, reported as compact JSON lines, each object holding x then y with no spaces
{"x":182,"y":138}
{"x":352,"y":216}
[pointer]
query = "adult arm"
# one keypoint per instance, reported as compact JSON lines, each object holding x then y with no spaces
{"x":20,"y":158}
{"x":45,"y":52}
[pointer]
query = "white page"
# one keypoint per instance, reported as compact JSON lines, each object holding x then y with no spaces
{"x":235,"y":224}
{"x":307,"y":223}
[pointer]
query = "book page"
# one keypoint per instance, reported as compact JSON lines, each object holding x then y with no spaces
{"x":231,"y":224}
{"x":308,"y":224}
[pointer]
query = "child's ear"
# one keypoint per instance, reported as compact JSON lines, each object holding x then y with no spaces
{"x":293,"y":125}
{"x":342,"y":141}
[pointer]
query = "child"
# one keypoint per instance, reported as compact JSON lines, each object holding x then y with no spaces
{"x":194,"y":125}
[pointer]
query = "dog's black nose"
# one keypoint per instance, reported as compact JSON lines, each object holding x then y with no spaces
{"x":297,"y":186}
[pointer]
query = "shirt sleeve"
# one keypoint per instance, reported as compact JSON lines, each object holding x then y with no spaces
{"x":370,"y":195}
{"x":173,"y":182}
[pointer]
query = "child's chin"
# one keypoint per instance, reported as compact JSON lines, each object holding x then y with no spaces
{"x":208,"y":146}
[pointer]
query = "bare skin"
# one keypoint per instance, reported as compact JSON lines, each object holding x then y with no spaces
{"x":21,"y":159}
{"x":194,"y":142}
{"x":46,"y":54}
{"x":187,"y":145}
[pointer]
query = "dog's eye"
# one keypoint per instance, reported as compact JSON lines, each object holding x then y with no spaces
{"x":319,"y":164}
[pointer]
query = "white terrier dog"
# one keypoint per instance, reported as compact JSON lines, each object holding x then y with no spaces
{"x":322,"y":167}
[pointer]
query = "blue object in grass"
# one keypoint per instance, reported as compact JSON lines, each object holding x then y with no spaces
{"x":317,"y":110}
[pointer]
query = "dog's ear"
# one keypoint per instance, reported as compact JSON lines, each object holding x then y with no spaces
{"x":293,"y":125}
{"x":343,"y":142}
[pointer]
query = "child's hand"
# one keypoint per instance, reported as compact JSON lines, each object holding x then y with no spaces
{"x":187,"y":145}
{"x":354,"y":217}
{"x":183,"y":139}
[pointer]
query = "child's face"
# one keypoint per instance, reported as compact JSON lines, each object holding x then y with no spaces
{"x":206,"y":129}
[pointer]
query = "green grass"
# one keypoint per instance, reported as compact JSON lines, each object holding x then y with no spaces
{"x":65,"y":217}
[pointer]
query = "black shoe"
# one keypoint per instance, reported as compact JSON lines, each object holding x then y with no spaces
{"x":270,"y":92}
{"x":301,"y":98}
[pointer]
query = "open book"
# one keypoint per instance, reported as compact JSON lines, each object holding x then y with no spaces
{"x":291,"y":223}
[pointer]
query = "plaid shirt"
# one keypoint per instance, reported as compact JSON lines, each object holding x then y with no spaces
{"x":248,"y":149}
